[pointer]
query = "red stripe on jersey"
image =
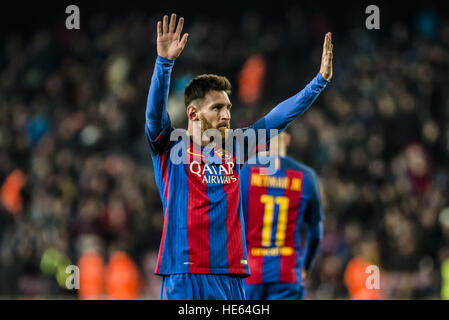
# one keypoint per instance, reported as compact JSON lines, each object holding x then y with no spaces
{"x":165,"y":177}
{"x":198,"y":220}
{"x":256,"y":210}
{"x":288,"y":268}
{"x":234,"y":243}
{"x":288,"y":263}
{"x":159,"y":143}
{"x":255,"y":264}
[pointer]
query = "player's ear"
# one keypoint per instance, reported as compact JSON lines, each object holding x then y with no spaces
{"x":192,"y":112}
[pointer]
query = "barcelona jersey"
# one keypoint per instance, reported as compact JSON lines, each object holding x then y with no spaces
{"x":203,"y":229}
{"x":274,"y":208}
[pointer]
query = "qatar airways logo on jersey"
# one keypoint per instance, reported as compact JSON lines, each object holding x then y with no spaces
{"x":217,"y":174}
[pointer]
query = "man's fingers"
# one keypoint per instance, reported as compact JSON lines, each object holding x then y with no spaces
{"x":184,"y":40}
{"x":179,"y":27}
{"x":329,"y":53}
{"x":326,"y":43}
{"x":171,"y":27}
{"x":326,"y":59}
{"x":159,"y":28}
{"x":165,"y":24}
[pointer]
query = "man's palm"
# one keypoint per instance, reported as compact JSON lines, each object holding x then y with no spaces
{"x":326,"y":58}
{"x":169,"y":41}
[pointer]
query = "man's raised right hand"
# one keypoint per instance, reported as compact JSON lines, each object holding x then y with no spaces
{"x":169,"y":41}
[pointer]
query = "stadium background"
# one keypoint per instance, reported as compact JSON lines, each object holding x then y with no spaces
{"x":76,"y":175}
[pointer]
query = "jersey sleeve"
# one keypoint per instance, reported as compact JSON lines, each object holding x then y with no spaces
{"x":288,"y":110}
{"x":314,"y":211}
{"x":313,"y":219}
{"x":314,"y":237}
{"x":256,"y":138}
{"x":157,"y":121}
{"x":282,"y":115}
{"x":244,"y":189}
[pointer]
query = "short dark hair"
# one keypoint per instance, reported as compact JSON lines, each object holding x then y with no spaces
{"x":199,"y":86}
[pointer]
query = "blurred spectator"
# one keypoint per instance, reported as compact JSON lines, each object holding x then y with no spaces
{"x":251,"y":78}
{"x":92,"y":270}
{"x":122,"y":277}
{"x":11,"y":197}
{"x":358,"y":270}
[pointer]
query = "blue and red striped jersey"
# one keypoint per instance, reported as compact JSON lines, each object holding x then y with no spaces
{"x":275,"y":206}
{"x":203,"y":229}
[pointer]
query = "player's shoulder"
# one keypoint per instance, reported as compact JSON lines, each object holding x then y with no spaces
{"x":167,"y":140}
{"x":310,"y":175}
{"x":291,"y":163}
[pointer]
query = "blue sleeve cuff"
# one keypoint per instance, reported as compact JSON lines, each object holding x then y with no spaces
{"x":321,"y":79}
{"x":165,"y":62}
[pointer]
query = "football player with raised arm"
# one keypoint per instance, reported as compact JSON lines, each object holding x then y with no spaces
{"x":203,"y":253}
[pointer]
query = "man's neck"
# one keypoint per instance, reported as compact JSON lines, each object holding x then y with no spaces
{"x":196,"y":135}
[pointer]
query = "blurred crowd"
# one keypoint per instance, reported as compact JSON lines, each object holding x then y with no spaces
{"x":76,"y":174}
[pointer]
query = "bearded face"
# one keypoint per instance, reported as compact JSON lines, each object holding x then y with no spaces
{"x":214,"y":112}
{"x":223,"y":128}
